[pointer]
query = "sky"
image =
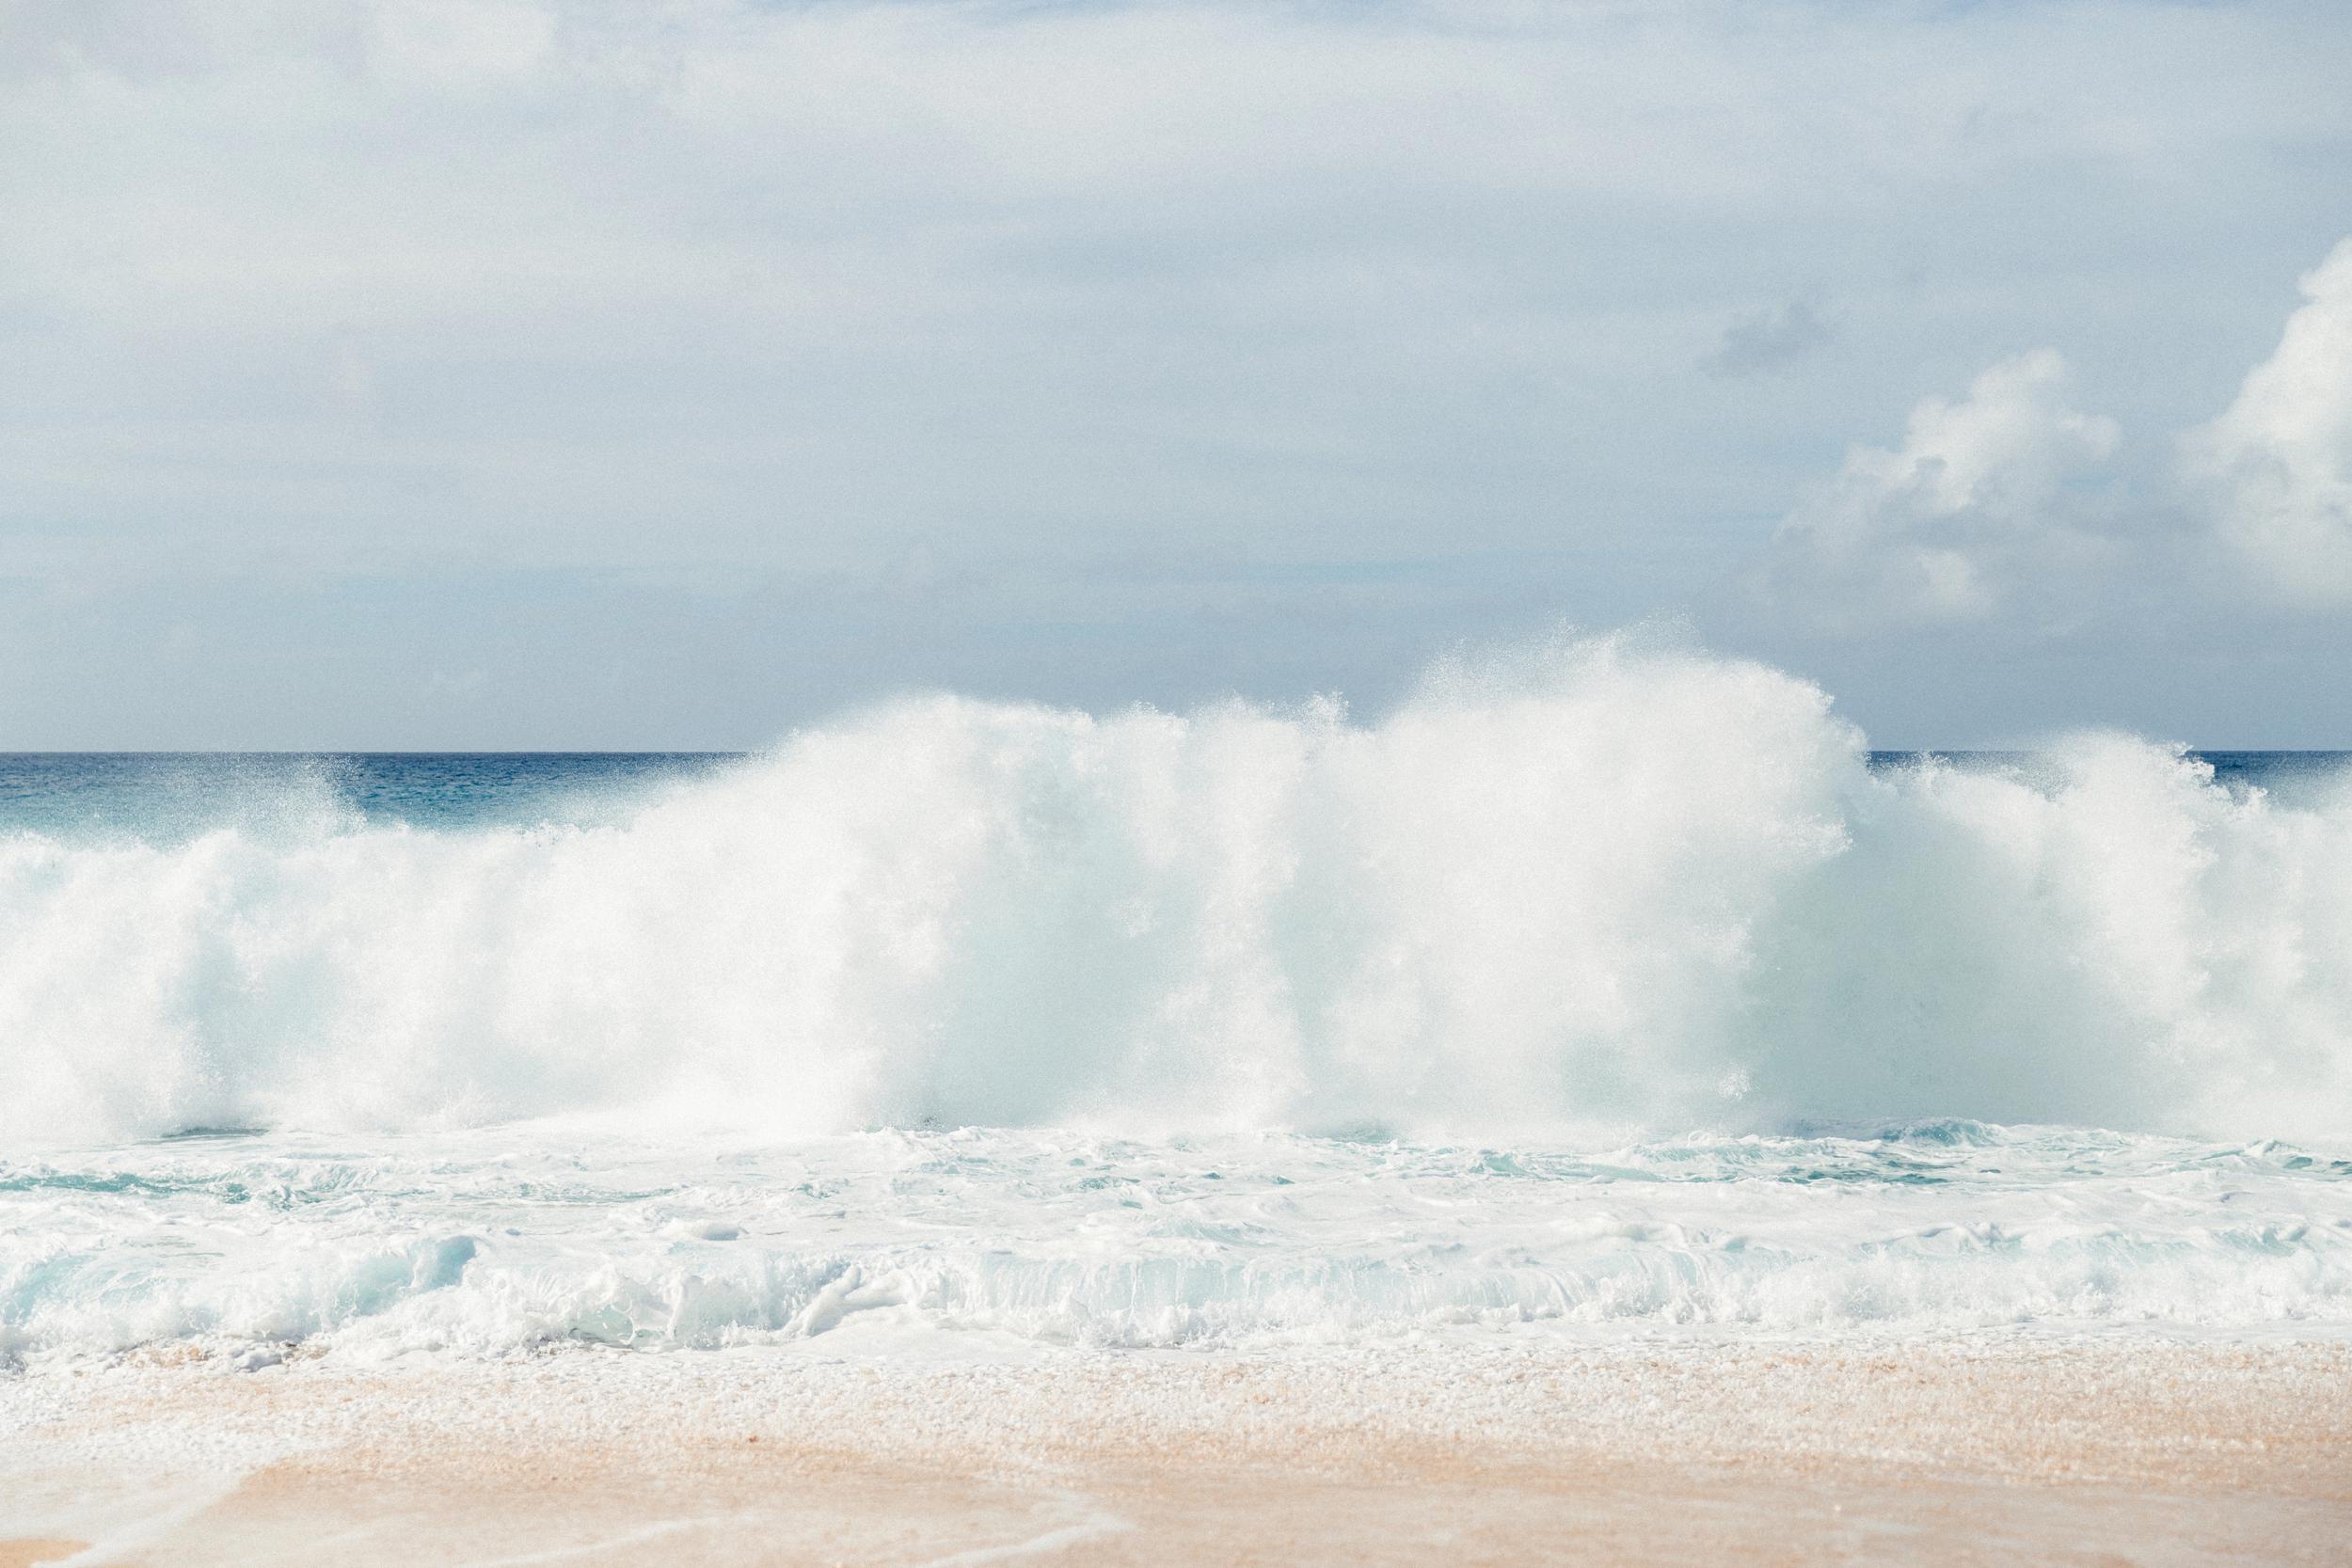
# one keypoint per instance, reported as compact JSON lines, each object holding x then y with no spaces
{"x":577,"y":373}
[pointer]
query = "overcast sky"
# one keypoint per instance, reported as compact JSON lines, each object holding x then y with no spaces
{"x":519,"y":373}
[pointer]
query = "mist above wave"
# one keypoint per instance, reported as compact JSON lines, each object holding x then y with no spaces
{"x":1594,"y":883}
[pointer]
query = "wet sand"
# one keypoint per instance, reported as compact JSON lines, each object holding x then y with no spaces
{"x":1984,"y":1450}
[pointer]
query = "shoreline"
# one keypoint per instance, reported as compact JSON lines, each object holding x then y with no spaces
{"x":1991,"y":1449}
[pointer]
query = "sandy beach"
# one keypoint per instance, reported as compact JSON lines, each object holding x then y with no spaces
{"x":1971,"y":1450}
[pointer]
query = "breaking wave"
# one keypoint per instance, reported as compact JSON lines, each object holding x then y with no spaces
{"x":1598,"y":885}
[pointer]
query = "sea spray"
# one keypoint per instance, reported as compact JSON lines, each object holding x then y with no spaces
{"x":1598,"y":884}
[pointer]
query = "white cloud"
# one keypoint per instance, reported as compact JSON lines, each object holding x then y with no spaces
{"x":2277,"y":465}
{"x":1973,"y":505}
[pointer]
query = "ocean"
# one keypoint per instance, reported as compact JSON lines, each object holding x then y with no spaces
{"x":1592,"y":995}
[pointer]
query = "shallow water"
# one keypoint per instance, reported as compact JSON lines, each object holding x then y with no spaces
{"x":499,"y":1240}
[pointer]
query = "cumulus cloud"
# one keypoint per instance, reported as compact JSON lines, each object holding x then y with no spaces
{"x":1949,"y":526}
{"x":1769,"y":340}
{"x":2275,"y":467}
{"x":1983,"y":511}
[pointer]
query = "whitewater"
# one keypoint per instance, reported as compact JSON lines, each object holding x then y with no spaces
{"x":1601,"y":987}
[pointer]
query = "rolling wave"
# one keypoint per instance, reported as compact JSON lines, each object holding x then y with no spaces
{"x":1593,"y":885}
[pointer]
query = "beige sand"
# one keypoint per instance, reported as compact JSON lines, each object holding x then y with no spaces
{"x":1959,"y":1452}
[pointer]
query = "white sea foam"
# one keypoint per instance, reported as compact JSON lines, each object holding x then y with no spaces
{"x":495,"y":1240}
{"x":1595,"y":885}
{"x":1263,"y":1026}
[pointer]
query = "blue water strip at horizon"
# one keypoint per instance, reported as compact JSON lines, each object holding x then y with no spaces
{"x":176,"y":794}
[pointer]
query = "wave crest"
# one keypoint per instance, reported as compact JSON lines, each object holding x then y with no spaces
{"x":1602,"y":884}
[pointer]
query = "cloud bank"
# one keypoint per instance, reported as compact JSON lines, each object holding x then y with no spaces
{"x":409,"y":372}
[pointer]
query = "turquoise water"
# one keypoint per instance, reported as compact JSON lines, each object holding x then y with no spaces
{"x":495,"y":1240}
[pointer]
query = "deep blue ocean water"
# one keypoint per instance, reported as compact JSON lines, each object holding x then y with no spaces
{"x":170,"y":795}
{"x":175,"y":794}
{"x":2293,"y":778}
